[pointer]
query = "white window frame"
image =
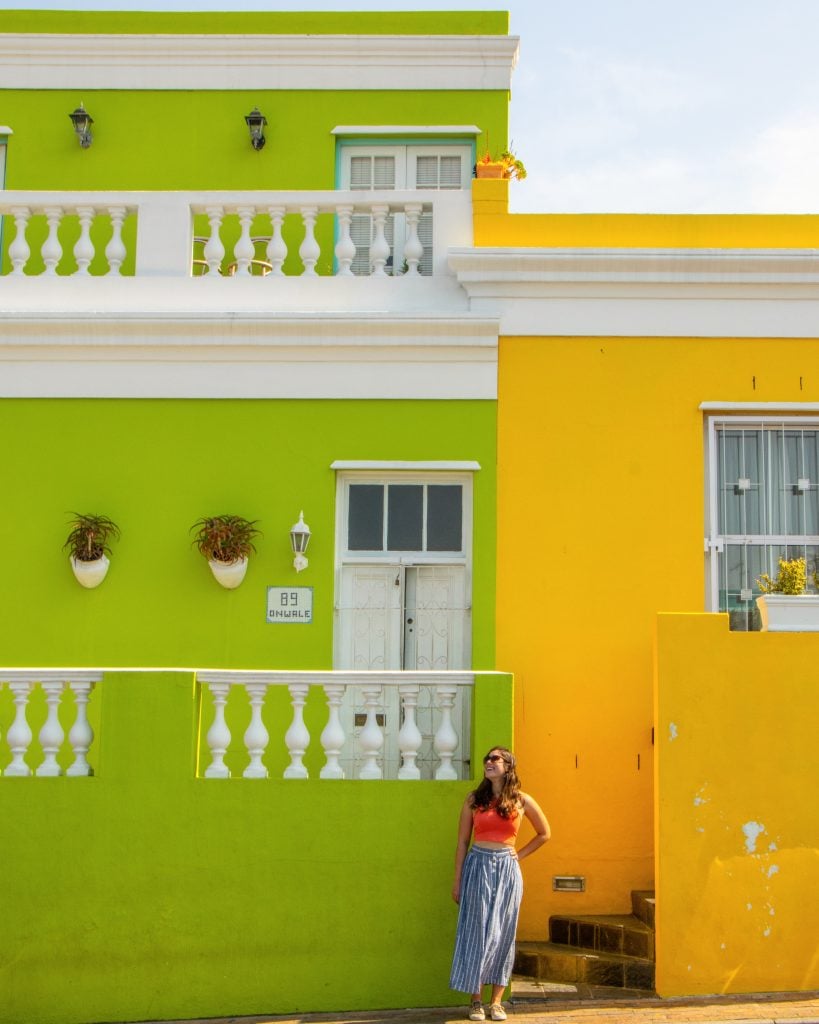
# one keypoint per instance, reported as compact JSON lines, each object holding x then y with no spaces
{"x":714,"y":540}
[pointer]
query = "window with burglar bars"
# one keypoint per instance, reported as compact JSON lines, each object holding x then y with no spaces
{"x":401,"y":167}
{"x":763,"y":506}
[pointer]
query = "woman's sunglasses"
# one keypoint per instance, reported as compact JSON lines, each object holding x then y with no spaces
{"x":493,"y":758}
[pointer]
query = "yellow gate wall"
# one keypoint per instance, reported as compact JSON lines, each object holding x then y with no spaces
{"x":737,"y":772}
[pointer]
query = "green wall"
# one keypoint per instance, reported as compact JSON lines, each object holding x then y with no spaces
{"x":156,"y":467}
{"x":146,"y":893}
{"x":476,"y":23}
{"x":199,"y":140}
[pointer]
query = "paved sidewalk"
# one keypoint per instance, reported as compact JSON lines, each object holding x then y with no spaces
{"x":538,"y":1008}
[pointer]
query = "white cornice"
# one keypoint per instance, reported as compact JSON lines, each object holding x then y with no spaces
{"x":426,"y":130}
{"x":63,"y":61}
{"x":248,"y":356}
{"x":496,"y":267}
{"x":644,"y":292}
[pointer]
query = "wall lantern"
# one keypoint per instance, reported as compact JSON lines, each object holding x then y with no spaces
{"x":82,"y":122}
{"x":256,"y":121}
{"x":299,"y":539}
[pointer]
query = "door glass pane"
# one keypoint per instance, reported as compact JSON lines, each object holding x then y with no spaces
{"x":365,"y":520}
{"x":444,"y":517}
{"x":405,"y":503}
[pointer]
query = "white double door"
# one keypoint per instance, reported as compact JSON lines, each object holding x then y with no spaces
{"x":392,"y":617}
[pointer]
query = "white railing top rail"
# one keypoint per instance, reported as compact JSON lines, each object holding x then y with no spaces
{"x":349,"y":677}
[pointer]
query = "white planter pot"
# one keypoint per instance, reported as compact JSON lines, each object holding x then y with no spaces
{"x":789,"y":613}
{"x":90,"y":574}
{"x":229,"y":574}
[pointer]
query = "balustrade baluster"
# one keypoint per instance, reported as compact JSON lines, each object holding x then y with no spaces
{"x":309,"y":249}
{"x":345,"y":247}
{"x":446,"y":739}
{"x":256,"y":735}
{"x":371,"y":738}
{"x":84,"y":248}
{"x":409,"y":736}
{"x":219,"y":734}
{"x":244,"y":251}
{"x":214,"y":251}
{"x":19,"y":250}
{"x":19,"y":735}
{"x":332,"y":738}
{"x":380,"y":248}
{"x":52,"y":250}
{"x":81,"y":735}
{"x":413,"y":249}
{"x":276,"y":247}
{"x":115,"y":251}
{"x":51,"y":734}
{"x":297,"y":738}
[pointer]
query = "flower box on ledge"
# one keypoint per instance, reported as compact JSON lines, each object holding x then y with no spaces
{"x":789,"y":613}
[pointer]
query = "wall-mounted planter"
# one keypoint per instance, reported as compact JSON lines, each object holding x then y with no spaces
{"x":229,"y":574}
{"x":90,"y":574}
{"x":789,"y":613}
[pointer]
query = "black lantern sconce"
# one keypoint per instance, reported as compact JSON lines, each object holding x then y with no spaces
{"x":82,"y":121}
{"x":299,"y":539}
{"x":256,"y":122}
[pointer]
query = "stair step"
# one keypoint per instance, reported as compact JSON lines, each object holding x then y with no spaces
{"x":553,"y":962}
{"x":643,"y":904}
{"x":604,"y":933}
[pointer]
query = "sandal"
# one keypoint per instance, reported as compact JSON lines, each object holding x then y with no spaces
{"x":476,"y":1011}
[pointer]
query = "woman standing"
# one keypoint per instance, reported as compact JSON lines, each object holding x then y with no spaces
{"x":488,"y":884}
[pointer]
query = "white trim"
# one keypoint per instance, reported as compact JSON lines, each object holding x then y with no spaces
{"x":762,"y":293}
{"x":388,"y":466}
{"x":251,"y":62}
{"x":248,"y":356}
{"x":5,"y":130}
{"x":376,"y":130}
{"x":763,"y":407}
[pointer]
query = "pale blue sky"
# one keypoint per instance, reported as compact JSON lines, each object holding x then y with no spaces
{"x":640,"y":105}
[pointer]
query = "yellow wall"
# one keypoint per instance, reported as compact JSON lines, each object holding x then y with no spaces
{"x":601,"y":526}
{"x":493,"y":226}
{"x":737,"y":752}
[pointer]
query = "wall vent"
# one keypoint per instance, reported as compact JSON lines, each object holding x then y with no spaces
{"x":569,"y":883}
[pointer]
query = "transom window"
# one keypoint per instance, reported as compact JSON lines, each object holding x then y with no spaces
{"x":763,"y":506}
{"x":404,"y":517}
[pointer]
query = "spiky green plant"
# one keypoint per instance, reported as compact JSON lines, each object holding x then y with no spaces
{"x":226,"y":538}
{"x":89,"y":536}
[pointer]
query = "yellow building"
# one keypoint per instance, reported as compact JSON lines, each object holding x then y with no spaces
{"x":658,"y":419}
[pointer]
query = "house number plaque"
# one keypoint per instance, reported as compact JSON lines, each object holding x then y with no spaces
{"x":290,"y":605}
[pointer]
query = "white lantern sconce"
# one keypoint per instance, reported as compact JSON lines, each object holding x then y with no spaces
{"x":256,"y":122}
{"x":82,"y":122}
{"x":299,"y":539}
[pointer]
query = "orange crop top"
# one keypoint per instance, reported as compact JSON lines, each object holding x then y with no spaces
{"x":489,"y":827}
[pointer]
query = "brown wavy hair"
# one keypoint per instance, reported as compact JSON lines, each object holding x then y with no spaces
{"x":507,"y":803}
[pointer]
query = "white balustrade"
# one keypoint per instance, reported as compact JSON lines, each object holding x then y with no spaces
{"x":446,"y":739}
{"x":410,"y":736}
{"x":332,"y":738}
{"x":165,"y":223}
{"x":297,"y":738}
{"x":256,"y":736}
{"x":51,"y":737}
{"x":380,"y":750}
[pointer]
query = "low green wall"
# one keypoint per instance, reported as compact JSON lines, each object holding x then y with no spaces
{"x":146,"y":893}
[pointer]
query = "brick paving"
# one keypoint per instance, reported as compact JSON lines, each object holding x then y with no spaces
{"x":589,"y":1007}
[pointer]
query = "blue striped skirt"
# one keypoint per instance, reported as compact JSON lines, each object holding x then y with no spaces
{"x":491,"y":890}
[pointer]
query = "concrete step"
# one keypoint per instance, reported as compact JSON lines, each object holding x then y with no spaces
{"x":604,"y":933}
{"x":642,"y":906}
{"x":556,"y":963}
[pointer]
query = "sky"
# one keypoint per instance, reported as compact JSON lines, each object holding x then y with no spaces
{"x":646,"y":106}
